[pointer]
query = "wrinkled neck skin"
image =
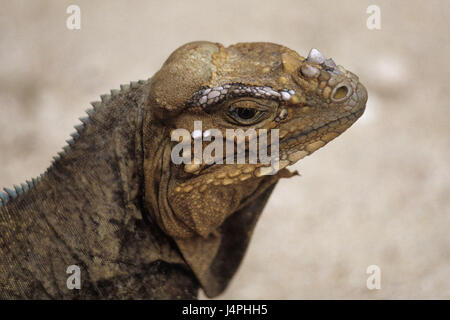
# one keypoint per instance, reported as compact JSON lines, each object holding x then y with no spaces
{"x":214,"y":256}
{"x":87,"y":211}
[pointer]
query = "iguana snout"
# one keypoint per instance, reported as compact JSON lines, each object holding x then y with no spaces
{"x":328,"y":99}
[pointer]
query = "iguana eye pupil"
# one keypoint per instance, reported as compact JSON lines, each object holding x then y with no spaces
{"x":249,"y":111}
{"x":245,"y":113}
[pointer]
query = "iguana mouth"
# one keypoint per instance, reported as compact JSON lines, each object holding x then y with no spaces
{"x":352,"y":117}
{"x":296,"y":142}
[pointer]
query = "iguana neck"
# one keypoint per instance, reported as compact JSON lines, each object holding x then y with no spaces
{"x":89,"y":200}
{"x":99,"y":174}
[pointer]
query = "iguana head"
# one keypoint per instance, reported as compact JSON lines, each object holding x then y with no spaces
{"x":248,"y":86}
{"x":210,"y":209}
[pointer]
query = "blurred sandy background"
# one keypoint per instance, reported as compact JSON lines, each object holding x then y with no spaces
{"x":379,"y":194}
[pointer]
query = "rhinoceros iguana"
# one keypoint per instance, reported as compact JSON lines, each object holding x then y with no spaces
{"x":138,"y":225}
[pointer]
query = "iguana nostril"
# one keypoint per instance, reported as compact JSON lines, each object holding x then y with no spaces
{"x":340,"y":93}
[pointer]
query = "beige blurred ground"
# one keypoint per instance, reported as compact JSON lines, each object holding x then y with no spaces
{"x":379,"y":194}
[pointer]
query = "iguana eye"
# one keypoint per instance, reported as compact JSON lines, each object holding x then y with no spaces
{"x":245,"y":116}
{"x":246,"y":112}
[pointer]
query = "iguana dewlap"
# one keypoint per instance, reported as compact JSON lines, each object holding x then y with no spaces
{"x":138,"y":225}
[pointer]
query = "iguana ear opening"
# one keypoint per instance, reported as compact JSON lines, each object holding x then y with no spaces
{"x":215,"y":260}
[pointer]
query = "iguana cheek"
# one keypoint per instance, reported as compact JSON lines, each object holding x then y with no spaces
{"x":202,"y":204}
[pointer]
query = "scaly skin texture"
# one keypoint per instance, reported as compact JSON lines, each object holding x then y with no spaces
{"x":140,"y":226}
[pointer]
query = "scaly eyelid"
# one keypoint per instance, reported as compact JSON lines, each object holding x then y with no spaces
{"x":250,"y":104}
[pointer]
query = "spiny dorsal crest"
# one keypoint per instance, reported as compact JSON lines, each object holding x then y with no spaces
{"x":10,"y":194}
